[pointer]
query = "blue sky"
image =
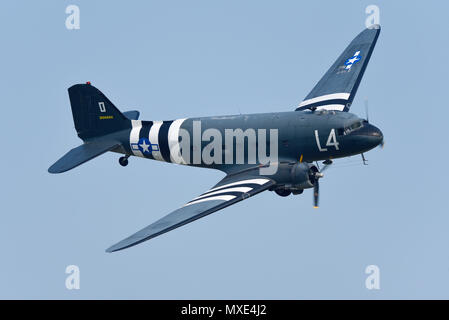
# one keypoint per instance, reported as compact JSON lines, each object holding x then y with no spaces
{"x":196,"y":58}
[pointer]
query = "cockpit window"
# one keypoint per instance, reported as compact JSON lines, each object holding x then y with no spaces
{"x":352,"y":127}
{"x":355,"y":125}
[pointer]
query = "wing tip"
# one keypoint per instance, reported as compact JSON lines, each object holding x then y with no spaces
{"x":116,"y":247}
{"x":110,"y":250}
{"x":124,"y":244}
{"x":55,"y":168}
{"x":51,"y":170}
{"x":113,"y":249}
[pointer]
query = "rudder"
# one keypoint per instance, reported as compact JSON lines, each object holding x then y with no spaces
{"x":93,"y":113}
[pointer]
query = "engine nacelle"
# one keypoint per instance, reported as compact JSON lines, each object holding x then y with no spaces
{"x":295,"y":178}
{"x":303,"y":176}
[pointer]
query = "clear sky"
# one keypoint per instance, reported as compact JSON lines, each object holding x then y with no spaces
{"x":176,"y":59}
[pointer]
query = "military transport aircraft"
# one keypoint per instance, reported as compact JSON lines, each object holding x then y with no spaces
{"x":320,"y":129}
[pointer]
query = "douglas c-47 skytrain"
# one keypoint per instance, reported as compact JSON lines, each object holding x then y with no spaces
{"x":276,"y":151}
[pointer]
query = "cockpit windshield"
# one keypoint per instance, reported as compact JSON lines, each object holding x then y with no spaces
{"x":352,"y":127}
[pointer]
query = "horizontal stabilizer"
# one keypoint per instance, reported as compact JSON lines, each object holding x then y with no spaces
{"x":81,"y":154}
{"x":132,"y":115}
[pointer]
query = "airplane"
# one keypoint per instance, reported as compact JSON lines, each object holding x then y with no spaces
{"x":321,"y":128}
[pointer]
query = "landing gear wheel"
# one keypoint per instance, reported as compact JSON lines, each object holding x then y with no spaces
{"x":123,"y":161}
{"x":283,"y":192}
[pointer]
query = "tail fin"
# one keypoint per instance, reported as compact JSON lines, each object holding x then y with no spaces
{"x":94,"y":114}
{"x":337,"y":88}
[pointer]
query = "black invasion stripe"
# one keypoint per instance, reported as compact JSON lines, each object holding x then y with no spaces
{"x":163,"y":140}
{"x":145,"y":133}
{"x":323,"y":103}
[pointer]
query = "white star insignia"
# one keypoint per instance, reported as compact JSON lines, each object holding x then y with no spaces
{"x":144,"y":147}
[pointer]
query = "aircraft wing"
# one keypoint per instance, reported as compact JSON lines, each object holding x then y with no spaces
{"x":230,"y":190}
{"x":337,"y":88}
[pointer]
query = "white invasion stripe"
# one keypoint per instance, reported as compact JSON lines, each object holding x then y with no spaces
{"x":255,"y":181}
{"x":224,"y":198}
{"x":332,"y":96}
{"x":134,"y":136}
{"x":154,"y":139}
{"x":173,"y":142}
{"x":338,"y":107}
{"x":238,"y":189}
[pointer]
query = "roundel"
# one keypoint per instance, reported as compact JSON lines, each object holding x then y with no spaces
{"x":144,"y":145}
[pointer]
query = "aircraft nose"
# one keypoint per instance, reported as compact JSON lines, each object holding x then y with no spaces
{"x":372,"y":131}
{"x":371,"y":134}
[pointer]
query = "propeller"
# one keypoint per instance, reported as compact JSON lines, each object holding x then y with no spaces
{"x":316,"y":186}
{"x":382,"y":144}
{"x":316,"y":194}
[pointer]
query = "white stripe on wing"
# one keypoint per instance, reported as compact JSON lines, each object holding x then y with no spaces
{"x":249,"y":181}
{"x":224,"y":198}
{"x":238,"y":189}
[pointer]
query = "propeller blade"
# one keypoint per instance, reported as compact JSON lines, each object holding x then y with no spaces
{"x":316,"y":194}
{"x":367,"y":110}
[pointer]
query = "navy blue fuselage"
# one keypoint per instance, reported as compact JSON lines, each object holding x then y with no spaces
{"x":309,"y":136}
